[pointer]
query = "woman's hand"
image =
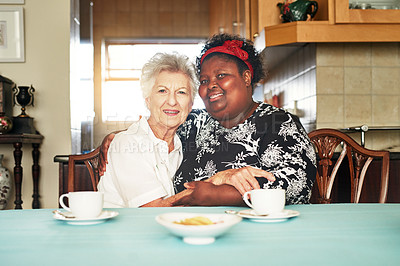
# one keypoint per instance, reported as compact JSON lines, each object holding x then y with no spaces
{"x":243,"y":179}
{"x":105,"y":145}
{"x":208,"y":194}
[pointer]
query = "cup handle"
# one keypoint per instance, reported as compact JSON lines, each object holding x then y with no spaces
{"x":62,"y":202}
{"x":246,"y":199}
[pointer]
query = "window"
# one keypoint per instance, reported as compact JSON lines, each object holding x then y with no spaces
{"x":122,"y":98}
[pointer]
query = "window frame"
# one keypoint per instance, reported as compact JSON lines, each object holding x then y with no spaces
{"x":107,"y":76}
{"x":150,"y":41}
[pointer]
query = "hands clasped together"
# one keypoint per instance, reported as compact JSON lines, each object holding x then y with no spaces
{"x":223,"y":187}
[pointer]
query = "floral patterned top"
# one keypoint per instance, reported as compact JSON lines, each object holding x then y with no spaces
{"x":270,"y":139}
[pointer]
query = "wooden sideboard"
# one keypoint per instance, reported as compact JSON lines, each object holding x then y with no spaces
{"x":17,"y":140}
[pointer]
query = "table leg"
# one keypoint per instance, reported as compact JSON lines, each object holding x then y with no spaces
{"x":18,"y":174}
{"x":35,"y":176}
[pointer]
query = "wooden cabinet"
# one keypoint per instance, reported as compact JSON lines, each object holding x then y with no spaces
{"x":234,"y":16}
{"x":345,"y":15}
{"x":334,"y":22}
{"x":225,"y":16}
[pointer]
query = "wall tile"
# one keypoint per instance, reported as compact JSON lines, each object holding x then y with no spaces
{"x":329,"y":55}
{"x":385,"y":54}
{"x":166,"y":6}
{"x":123,"y":30}
{"x":357,"y":80}
{"x":109,"y":18}
{"x":330,"y":108}
{"x":383,"y":140}
{"x":335,"y":125}
{"x":123,"y":5}
{"x":357,"y":54}
{"x":330,"y":80}
{"x":179,"y":5}
{"x":165,"y":23}
{"x":386,"y":80}
{"x":151,"y":6}
{"x":151,"y":20}
{"x":110,"y":31}
{"x":194,"y":5}
{"x":192,"y":19}
{"x":137,"y":5}
{"x":123,"y":18}
{"x":179,"y":24}
{"x":385,"y":110}
{"x":137,"y":23}
{"x":358,"y":109}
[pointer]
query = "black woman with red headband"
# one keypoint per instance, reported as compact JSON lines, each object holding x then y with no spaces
{"x":237,"y":144}
{"x":236,"y":135}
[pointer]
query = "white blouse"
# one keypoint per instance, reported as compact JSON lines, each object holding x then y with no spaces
{"x":139,"y":168}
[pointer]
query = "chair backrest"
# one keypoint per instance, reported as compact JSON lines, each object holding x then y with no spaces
{"x":326,"y":142}
{"x":91,"y":161}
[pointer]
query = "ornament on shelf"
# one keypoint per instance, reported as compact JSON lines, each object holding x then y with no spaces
{"x":23,"y":96}
{"x":297,"y":10}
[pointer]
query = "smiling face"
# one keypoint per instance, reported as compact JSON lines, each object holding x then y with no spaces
{"x":226,"y":93}
{"x":170,"y":102}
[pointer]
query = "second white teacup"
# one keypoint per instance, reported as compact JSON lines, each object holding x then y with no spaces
{"x":83,"y":204}
{"x":265,"y":201}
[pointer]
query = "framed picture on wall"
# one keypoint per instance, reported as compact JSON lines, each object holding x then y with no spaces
{"x":12,"y":47}
{"x":12,"y":1}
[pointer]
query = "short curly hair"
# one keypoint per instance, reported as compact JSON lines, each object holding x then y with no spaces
{"x":254,"y":59}
{"x":172,"y":62}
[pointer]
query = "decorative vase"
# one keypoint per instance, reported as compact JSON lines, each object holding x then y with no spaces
{"x":5,"y":184}
{"x":5,"y":124}
{"x":23,"y":95}
{"x":297,"y":10}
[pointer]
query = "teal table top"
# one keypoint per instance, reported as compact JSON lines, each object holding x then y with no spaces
{"x":335,"y":234}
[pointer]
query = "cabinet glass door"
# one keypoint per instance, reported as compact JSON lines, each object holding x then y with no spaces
{"x":367,"y":11}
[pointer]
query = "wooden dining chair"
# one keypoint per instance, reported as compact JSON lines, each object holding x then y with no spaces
{"x":91,"y":160}
{"x":326,"y":142}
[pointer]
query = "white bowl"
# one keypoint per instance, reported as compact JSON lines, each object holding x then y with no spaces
{"x":198,"y":234}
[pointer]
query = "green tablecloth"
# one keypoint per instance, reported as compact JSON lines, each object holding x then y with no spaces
{"x":336,"y":234}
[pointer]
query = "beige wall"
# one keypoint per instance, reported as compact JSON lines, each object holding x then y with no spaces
{"x":46,"y":66}
{"x":352,"y":84}
{"x":360,"y":84}
{"x":141,"y":19}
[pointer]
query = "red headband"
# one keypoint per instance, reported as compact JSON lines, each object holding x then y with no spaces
{"x":234,"y":48}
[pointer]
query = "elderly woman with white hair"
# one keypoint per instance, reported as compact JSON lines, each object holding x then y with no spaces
{"x":144,"y":158}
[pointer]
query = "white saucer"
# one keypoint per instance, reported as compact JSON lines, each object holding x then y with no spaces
{"x":105,"y":215}
{"x":269,"y":218}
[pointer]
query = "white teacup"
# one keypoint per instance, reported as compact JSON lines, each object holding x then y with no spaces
{"x":265,"y":201}
{"x":83,"y":204}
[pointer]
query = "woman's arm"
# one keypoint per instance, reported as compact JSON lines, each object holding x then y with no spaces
{"x":208,"y":194}
{"x":243,"y":179}
{"x":168,"y":202}
{"x":105,"y":145}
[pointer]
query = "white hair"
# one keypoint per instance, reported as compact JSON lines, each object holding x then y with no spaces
{"x":172,"y":62}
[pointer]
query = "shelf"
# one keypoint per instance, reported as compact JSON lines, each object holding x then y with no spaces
{"x":323,"y":31}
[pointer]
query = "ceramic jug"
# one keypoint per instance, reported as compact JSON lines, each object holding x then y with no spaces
{"x":297,"y":10}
